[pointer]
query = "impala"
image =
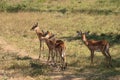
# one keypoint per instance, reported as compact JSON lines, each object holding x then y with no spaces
{"x":39,"y":34}
{"x":57,"y":46}
{"x":95,"y":45}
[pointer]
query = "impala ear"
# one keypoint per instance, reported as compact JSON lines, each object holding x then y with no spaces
{"x":87,"y":32}
{"x":79,"y":33}
{"x":43,"y":31}
{"x":34,"y":26}
{"x":48,"y":31}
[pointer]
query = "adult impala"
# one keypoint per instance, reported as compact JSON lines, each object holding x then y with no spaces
{"x":39,"y":34}
{"x":56,"y":49}
{"x":95,"y":45}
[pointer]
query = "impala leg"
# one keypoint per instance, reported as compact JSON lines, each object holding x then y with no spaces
{"x":64,"y":58}
{"x":52,"y":55}
{"x":39,"y":55}
{"x":40,"y":49}
{"x":107,"y":52}
{"x":109,"y":57}
{"x":64,"y":61}
{"x":64,"y":64}
{"x":56,"y":56}
{"x":60,"y":56}
{"x":49,"y":55}
{"x":42,"y":44}
{"x":92,"y":56}
{"x":106,"y":56}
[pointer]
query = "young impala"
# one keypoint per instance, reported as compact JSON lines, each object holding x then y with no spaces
{"x":94,"y":45}
{"x":57,"y":46}
{"x":39,"y":34}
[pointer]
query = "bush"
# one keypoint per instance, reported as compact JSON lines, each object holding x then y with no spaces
{"x":15,"y":8}
{"x":2,"y":5}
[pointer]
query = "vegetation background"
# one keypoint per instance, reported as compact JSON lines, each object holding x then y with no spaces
{"x":63,"y":18}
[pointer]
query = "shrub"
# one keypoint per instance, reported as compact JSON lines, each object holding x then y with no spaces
{"x":15,"y":8}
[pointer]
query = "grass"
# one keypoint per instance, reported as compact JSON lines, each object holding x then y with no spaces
{"x":16,"y":30}
{"x":12,"y":65}
{"x":100,"y":17}
{"x":84,"y":6}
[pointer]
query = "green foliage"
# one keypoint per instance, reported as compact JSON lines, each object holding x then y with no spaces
{"x":2,"y":5}
{"x":15,"y":8}
{"x":96,"y":6}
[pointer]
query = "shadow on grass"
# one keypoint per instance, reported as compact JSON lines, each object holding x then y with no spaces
{"x":116,"y":62}
{"x":23,"y":58}
{"x":31,"y":67}
{"x":37,"y":68}
{"x":99,"y":71}
{"x":95,"y":11}
{"x":93,"y":73}
{"x":34,"y":68}
{"x":22,"y":65}
{"x":63,"y":10}
{"x":110,"y":37}
{"x":102,"y":73}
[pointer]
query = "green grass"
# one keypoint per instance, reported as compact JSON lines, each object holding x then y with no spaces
{"x":100,"y":17}
{"x":84,"y":6}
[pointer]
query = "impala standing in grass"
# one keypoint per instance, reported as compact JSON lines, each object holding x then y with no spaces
{"x":95,"y":45}
{"x":56,"y":49}
{"x":39,"y":34}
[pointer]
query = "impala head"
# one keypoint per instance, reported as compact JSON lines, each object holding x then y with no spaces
{"x":48,"y":35}
{"x":83,"y":35}
{"x":35,"y":27}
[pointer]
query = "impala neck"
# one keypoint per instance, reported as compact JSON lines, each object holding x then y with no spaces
{"x":47,"y":41}
{"x":39,"y":34}
{"x":85,"y":39}
{"x":37,"y":30}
